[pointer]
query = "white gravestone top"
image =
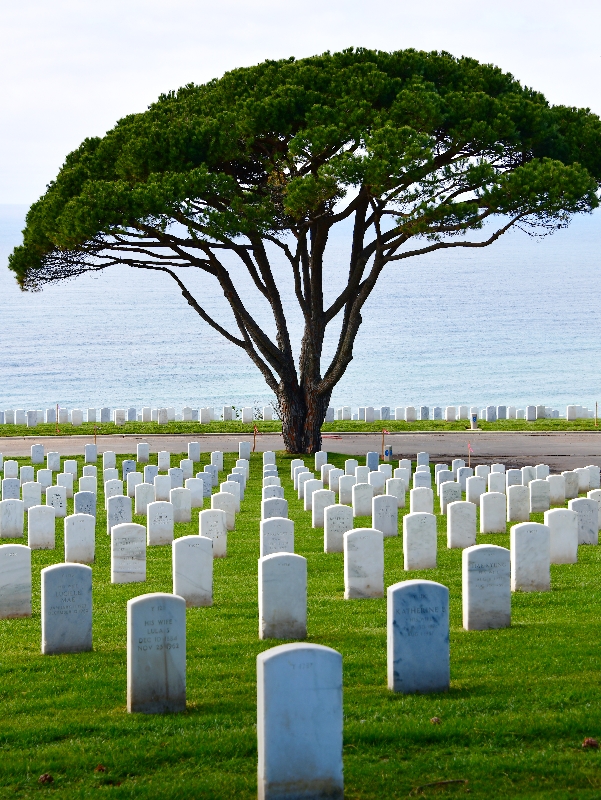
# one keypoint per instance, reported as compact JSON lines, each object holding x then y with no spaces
{"x":530,"y":557}
{"x":15,"y":581}
{"x":299,"y":722}
{"x":418,"y":637}
{"x":128,"y":553}
{"x":276,"y":536}
{"x":363,"y":563}
{"x":156,"y":654}
{"x":192,"y":558}
{"x":41,"y":528}
{"x":282,"y":596}
{"x":486,"y":587}
{"x":66,"y":609}
{"x":80,"y":538}
{"x":338,"y":520}
{"x":419,"y":541}
{"x":159,"y":523}
{"x":212,"y":523}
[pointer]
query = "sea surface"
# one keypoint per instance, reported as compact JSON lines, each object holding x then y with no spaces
{"x":515,"y":323}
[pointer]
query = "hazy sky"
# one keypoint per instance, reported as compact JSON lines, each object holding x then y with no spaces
{"x":71,"y":68}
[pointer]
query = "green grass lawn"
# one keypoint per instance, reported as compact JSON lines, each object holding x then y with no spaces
{"x":521,"y":701}
{"x":145,"y":428}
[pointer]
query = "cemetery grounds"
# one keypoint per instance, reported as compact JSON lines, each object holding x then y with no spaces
{"x":522,"y":699}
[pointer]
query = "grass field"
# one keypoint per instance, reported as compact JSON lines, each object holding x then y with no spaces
{"x":521,"y":701}
{"x":145,"y":428}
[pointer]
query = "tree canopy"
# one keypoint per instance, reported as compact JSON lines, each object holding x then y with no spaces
{"x":418,"y":149}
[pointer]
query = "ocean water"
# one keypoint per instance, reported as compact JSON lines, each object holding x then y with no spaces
{"x":515,"y":323}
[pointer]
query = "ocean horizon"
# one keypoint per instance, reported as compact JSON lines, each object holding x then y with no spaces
{"x":515,"y":323}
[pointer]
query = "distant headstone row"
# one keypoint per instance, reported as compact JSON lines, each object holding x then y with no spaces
{"x":163,"y":416}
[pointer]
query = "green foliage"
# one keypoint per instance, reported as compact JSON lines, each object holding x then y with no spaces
{"x":444,"y":142}
{"x":521,"y":701}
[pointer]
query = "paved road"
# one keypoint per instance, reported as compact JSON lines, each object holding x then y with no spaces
{"x":559,"y":450}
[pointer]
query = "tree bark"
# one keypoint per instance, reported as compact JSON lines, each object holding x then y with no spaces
{"x":302,"y":411}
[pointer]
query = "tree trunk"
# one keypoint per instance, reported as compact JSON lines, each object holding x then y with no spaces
{"x":302,"y":412}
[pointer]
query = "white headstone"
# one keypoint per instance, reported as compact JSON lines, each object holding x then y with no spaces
{"x":594,"y":476}
{"x":66,"y":479}
{"x":563,"y":527}
{"x":303,"y":477}
{"x":44,"y":478}
{"x":276,"y":536}
{"x":418,"y":637}
{"x":450,"y":492}
{"x":513,"y":477}
{"x":159,"y":523}
{"x":299,"y":722}
{"x":40,"y":527}
{"x":463,"y":473}
{"x":31,"y":494}
{"x":11,"y":489}
{"x":150,"y":473}
{"x":518,"y":503}
{"x":474,"y":488}
{"x":156,"y":654}
{"x":11,"y":469}
{"x":56,"y":496}
{"x":482,"y":471}
{"x":80,"y":538}
{"x":274,"y":507}
{"x":322,"y":498}
{"x":15,"y":581}
{"x":192,"y":558}
{"x":496,"y":482}
{"x":128,"y":553}
{"x":363,"y":563}
{"x":144,"y":494}
{"x":163,"y":460}
{"x":350,"y":465}
{"x":118,"y":511}
{"x":162,"y":487}
{"x":132,"y":480}
{"x":109,"y":460}
{"x":66,"y":609}
{"x":53,"y":461}
{"x":212,"y":523}
{"x":269,"y":457}
{"x":196,"y":489}
{"x":461,"y":524}
{"x":37,"y":453}
{"x":570,"y":484}
{"x":421,"y":499}
{"x":422,"y":479}
{"x":142,"y":452}
{"x":338,"y":519}
{"x":272,"y":491}
{"x":385,"y":514}
{"x":282,"y":596}
{"x":419,"y":541}
{"x":181,"y":500}
{"x":377,"y":480}
{"x":540,"y":496}
{"x":321,"y":458}
{"x":112,"y":488}
{"x":84,"y":503}
{"x":217,"y":459}
{"x":493,"y":512}
{"x":310,"y":487}
{"x":26,"y":474}
{"x":486,"y":587}
{"x":346,"y":484}
{"x":588,"y":519}
{"x":396,"y":487}
{"x":528,"y":474}
{"x":86,"y":484}
{"x":362,"y":474}
{"x":243,"y":450}
{"x":584,"y":477}
{"x":595,"y":494}
{"x":362,"y":495}
{"x":530,"y":557}
{"x":110,"y":474}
